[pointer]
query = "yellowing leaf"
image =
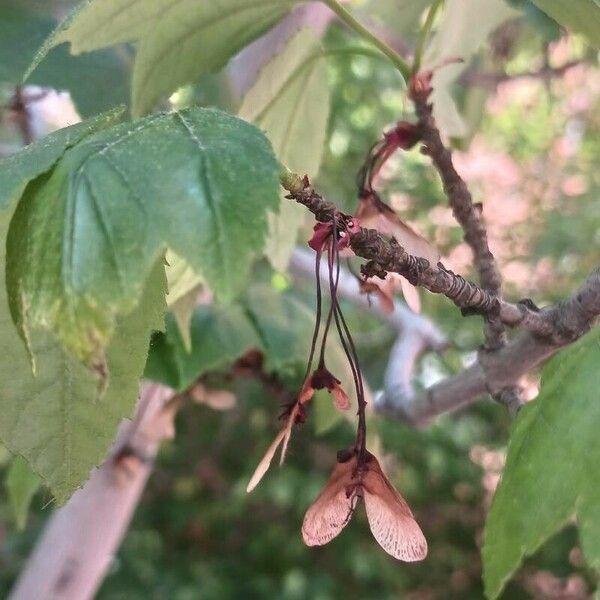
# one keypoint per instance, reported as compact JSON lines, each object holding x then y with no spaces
{"x":109,"y":208}
{"x":19,"y":169}
{"x":54,"y":418}
{"x":184,"y":286}
{"x":181,"y":278}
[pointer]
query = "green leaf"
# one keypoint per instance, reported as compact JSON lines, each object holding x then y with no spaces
{"x":580,"y":16}
{"x":290,"y":101}
{"x":96,"y":82}
{"x":54,"y":418}
{"x":219,"y":336}
{"x":54,"y":39}
{"x":198,"y":182}
{"x":403,"y":17}
{"x":18,"y":170}
{"x":161,"y":365}
{"x":283,"y":323}
{"x":457,"y":37}
{"x":194,"y":38}
{"x":553,"y":452}
{"x":277,"y":324}
{"x":177,"y":41}
{"x":100,"y":23}
{"x":326,"y":415}
{"x":21,"y":484}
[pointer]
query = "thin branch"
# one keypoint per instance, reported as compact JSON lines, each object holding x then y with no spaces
{"x":468,"y":214}
{"x":401,"y":319}
{"x":497,"y":372}
{"x":385,"y":255}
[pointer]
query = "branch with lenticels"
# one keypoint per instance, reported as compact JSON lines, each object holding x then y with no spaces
{"x":387,"y":255}
{"x":545,"y":330}
{"x":468,"y":214}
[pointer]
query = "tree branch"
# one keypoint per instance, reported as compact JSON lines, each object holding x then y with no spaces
{"x":302,"y":264}
{"x":385,"y":255}
{"x":78,"y":545}
{"x":502,"y":369}
{"x":468,"y":214}
{"x":495,"y":373}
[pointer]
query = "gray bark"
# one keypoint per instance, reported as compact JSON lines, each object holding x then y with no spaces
{"x":79,"y":542}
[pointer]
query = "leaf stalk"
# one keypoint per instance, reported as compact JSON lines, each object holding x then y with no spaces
{"x":347,"y":18}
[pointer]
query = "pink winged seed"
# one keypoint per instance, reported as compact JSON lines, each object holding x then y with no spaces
{"x":340,"y":398}
{"x":391,"y":520}
{"x":331,"y":511}
{"x":265,"y":462}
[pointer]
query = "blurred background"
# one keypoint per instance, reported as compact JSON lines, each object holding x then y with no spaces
{"x":525,"y":121}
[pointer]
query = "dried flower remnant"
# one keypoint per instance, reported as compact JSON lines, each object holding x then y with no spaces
{"x":323,"y":232}
{"x":384,"y":289}
{"x":411,"y":294}
{"x":392,"y":523}
{"x":281,"y":439}
{"x":419,"y":86}
{"x":328,"y":238}
{"x":322,"y":379}
{"x":380,"y":289}
{"x":374,"y":213}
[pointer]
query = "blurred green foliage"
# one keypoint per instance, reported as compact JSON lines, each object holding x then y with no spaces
{"x":198,"y":535}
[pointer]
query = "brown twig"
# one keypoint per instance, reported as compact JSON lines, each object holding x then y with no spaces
{"x":387,"y":255}
{"x":468,"y":214}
